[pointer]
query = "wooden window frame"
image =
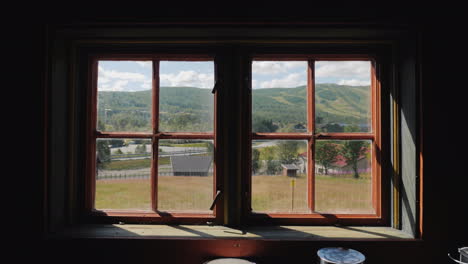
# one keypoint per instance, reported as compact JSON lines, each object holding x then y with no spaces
{"x":92,"y":134}
{"x":381,"y":196}
{"x":378,"y":200}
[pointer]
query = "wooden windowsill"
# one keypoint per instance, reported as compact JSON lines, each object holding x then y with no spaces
{"x":131,"y":231}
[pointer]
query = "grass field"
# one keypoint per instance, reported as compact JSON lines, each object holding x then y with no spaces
{"x":269,"y":194}
{"x":132,"y":164}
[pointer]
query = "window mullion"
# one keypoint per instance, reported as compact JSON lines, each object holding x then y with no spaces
{"x":155,"y":143}
{"x":311,"y":128}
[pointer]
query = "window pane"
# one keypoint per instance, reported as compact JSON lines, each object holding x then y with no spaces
{"x":343,"y":176}
{"x":185,"y":98}
{"x":123,"y":168}
{"x":279,"y":176}
{"x":343,"y":96}
{"x":279,"y":96}
{"x":185,"y":169}
{"x":124,"y":96}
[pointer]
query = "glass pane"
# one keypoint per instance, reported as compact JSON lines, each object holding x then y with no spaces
{"x":124,"y":96}
{"x":123,"y":169}
{"x":279,"y":176}
{"x":279,"y":96}
{"x":343,"y":176}
{"x":343,"y":96}
{"x":186,"y":103}
{"x":185,"y":169}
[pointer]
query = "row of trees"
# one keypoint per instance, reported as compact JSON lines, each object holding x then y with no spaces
{"x":352,"y":151}
{"x":103,"y":148}
{"x":285,"y":152}
{"x":267,"y":126}
{"x":327,"y":154}
{"x":174,"y":122}
{"x":202,"y":122}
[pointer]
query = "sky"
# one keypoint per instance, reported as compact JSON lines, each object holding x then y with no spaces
{"x":289,"y":74}
{"x":136,"y":75}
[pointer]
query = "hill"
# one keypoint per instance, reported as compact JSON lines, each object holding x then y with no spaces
{"x":189,"y":108}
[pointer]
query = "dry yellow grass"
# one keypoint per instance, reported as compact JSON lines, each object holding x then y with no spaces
{"x":123,"y":194}
{"x":269,"y":194}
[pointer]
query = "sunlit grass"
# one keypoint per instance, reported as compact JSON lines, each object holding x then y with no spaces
{"x":191,"y":193}
{"x":132,"y":164}
{"x":123,"y":194}
{"x":275,"y":194}
{"x":334,"y":194}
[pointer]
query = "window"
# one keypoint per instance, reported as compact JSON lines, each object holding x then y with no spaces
{"x":152,"y":137}
{"x":315,"y":136}
{"x":312,"y":151}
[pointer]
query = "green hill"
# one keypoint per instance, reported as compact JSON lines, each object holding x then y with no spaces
{"x":190,"y":109}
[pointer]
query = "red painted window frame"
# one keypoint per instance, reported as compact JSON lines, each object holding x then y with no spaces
{"x":379,"y":201}
{"x":380,"y":197}
{"x":153,"y":215}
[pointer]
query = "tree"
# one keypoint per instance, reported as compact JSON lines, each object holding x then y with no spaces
{"x":129,"y":120}
{"x":326,"y":154}
{"x":352,"y":128}
{"x":116,"y":143}
{"x":103,"y":153}
{"x":352,"y":151}
{"x":140,"y":149}
{"x":100,"y":125}
{"x":273,"y":167}
{"x":263,"y":125}
{"x":269,"y":154}
{"x":118,"y":152}
{"x":318,"y":119}
{"x":209,"y":147}
{"x":333,"y":127}
{"x":255,"y":160}
{"x":287,"y":151}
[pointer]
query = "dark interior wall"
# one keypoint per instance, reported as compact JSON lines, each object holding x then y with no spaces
{"x":444,"y":194}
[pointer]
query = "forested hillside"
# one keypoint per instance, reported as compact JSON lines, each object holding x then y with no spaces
{"x":274,"y":109}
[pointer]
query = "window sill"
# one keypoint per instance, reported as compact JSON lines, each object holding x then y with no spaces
{"x":190,"y":232}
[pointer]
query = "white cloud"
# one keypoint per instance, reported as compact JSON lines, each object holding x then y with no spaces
{"x":275,"y":67}
{"x":291,"y":80}
{"x":255,"y":84}
{"x":117,"y":86}
{"x":187,"y":78}
{"x":341,"y":69}
{"x":147,"y":84}
{"x":354,"y":82}
{"x":295,"y":64}
{"x":144,"y":64}
{"x":112,"y":80}
{"x":129,"y":76}
{"x":104,"y":79}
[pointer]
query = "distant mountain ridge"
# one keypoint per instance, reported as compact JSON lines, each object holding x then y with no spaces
{"x":333,"y":102}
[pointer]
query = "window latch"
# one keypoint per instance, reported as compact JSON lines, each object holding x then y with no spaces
{"x":216,"y":87}
{"x":218,"y":194}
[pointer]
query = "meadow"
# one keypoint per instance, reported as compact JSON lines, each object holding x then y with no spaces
{"x":333,"y":194}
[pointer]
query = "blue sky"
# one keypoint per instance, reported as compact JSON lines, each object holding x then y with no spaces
{"x":286,"y":74}
{"x":136,"y":75}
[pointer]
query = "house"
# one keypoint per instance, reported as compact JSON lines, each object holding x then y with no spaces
{"x":302,"y":162}
{"x":290,"y":170}
{"x":191,"y":165}
{"x":341,"y":166}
